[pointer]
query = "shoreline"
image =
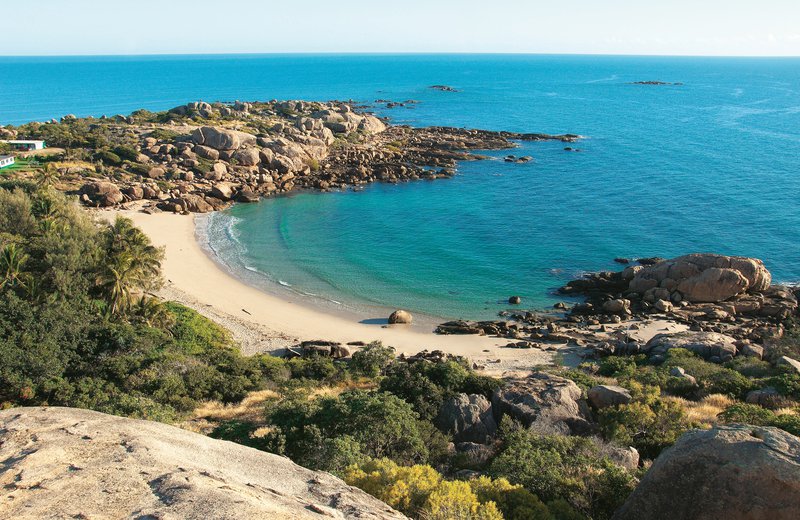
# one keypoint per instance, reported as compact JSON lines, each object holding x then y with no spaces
{"x":348,"y":309}
{"x":264,"y":322}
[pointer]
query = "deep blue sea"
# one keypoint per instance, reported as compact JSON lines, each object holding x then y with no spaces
{"x":709,"y":165}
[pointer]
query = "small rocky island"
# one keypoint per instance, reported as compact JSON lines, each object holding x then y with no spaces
{"x":200,"y":157}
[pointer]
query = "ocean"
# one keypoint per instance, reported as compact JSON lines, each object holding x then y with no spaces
{"x":709,"y":165}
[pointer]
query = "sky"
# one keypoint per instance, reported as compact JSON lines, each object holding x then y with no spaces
{"x":661,"y":27}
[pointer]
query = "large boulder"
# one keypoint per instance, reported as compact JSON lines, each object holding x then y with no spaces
{"x":468,"y":418}
{"x":704,"y":277}
{"x":371,"y":125}
{"x":195,"y":204}
{"x":247,"y":157}
{"x":69,"y":463}
{"x":792,"y":364}
{"x":603,"y":396}
{"x":705,"y":344}
{"x":222,"y":138}
{"x":207,"y":152}
{"x":400,"y":317}
{"x":102,"y":193}
{"x":223,"y":190}
{"x":735,"y":472}
{"x":543,"y":401}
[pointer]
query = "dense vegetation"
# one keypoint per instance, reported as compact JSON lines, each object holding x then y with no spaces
{"x":78,"y":327}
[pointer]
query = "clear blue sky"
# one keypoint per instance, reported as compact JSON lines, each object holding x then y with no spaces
{"x":704,"y":27}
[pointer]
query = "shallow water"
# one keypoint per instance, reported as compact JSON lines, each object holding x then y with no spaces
{"x":711,"y":165}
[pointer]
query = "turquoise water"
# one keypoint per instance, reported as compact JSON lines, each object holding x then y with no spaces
{"x":712,"y":165}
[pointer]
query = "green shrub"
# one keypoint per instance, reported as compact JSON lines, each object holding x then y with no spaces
{"x":318,"y":368}
{"x":555,"y":467}
{"x":108,"y":157}
{"x":648,"y":423}
{"x":617,"y":366}
{"x":711,"y":378}
{"x":787,"y":384}
{"x":747,"y":414}
{"x":377,"y":424}
{"x":126,"y":153}
{"x":427,"y":385}
{"x":371,"y":360}
{"x":240,"y":432}
{"x":162,"y":134}
{"x":788,"y":423}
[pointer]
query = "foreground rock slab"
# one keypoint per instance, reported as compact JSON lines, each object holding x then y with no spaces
{"x":69,"y":463}
{"x":733,"y":472}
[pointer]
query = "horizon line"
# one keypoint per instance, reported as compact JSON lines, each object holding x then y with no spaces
{"x":395,"y":53}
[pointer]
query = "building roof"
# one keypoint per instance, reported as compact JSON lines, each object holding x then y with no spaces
{"x":22,"y":141}
{"x":6,"y":157}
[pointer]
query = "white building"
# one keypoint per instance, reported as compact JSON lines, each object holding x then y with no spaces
{"x":6,"y":160}
{"x":25,"y":145}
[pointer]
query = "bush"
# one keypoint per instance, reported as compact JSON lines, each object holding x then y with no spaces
{"x":126,"y":153}
{"x":747,"y":414}
{"x":381,"y":424}
{"x":787,"y":384}
{"x":758,"y":416}
{"x":648,"y":423}
{"x":788,"y":423}
{"x":555,"y":467}
{"x":108,"y":157}
{"x":371,"y":360}
{"x":240,"y":432}
{"x":711,"y":378}
{"x":427,"y":385}
{"x":163,"y":134}
{"x":421,"y":492}
{"x":514,"y":501}
{"x":617,"y":366}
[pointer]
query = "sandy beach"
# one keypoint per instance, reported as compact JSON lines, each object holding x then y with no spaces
{"x":263,"y":322}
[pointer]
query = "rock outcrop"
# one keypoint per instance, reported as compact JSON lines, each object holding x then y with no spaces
{"x":603,"y":396}
{"x":468,"y":418}
{"x":222,"y":138}
{"x":103,"y":194}
{"x":735,"y":472}
{"x":543,"y":401}
{"x":69,"y":463}
{"x":707,"y":345}
{"x":703,"y":278}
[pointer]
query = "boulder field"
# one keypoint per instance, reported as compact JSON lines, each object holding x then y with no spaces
{"x":70,"y":463}
{"x":180,"y":157}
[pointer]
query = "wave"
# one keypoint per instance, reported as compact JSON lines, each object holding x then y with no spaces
{"x":613,"y":77}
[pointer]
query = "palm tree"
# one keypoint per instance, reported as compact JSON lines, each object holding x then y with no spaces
{"x":47,"y":176}
{"x":46,"y":211}
{"x":12,"y":260}
{"x":153,"y":312}
{"x":132,"y":264}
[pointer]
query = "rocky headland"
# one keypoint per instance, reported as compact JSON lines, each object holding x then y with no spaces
{"x":201,"y":157}
{"x":724,"y":306}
